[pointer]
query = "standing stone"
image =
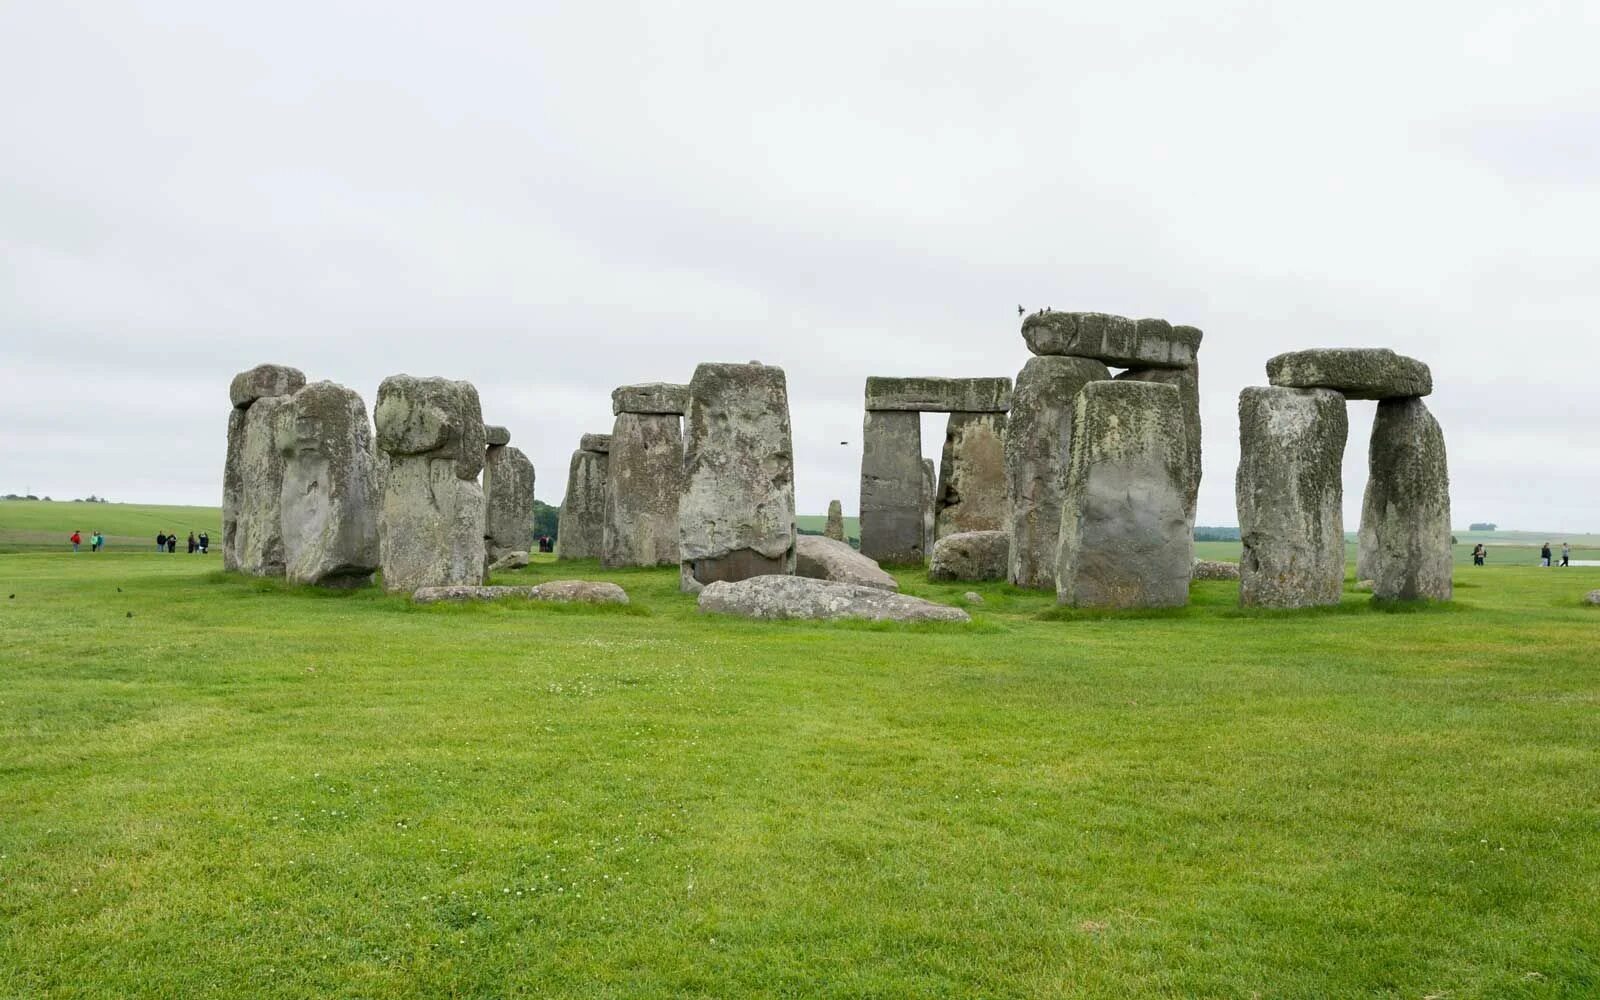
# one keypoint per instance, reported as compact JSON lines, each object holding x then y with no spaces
{"x":930,"y":499}
{"x":1038,"y":445}
{"x":1407,"y":504}
{"x":580,"y":533}
{"x":1125,"y":542}
{"x":252,"y":475}
{"x":834,"y":529}
{"x":737,"y":516}
{"x":508,"y":480}
{"x":972,"y":476}
{"x":1290,"y":497}
{"x":1187,"y":379}
{"x":643,"y":487}
{"x":891,"y":487}
{"x":431,"y":527}
{"x":329,"y":498}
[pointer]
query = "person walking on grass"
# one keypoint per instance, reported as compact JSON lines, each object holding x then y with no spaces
{"x":76,"y":538}
{"x":205,"y":543}
{"x":194,"y":546}
{"x":1544,"y":555}
{"x":97,"y":541}
{"x":172,"y":542}
{"x":161,"y":541}
{"x":1566,"y":553}
{"x":1478,"y":554}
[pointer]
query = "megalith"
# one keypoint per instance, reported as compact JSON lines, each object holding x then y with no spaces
{"x":1357,"y":372}
{"x":1187,"y":380}
{"x":252,"y":476}
{"x":432,"y":523}
{"x":1038,"y":443}
{"x":508,"y":481}
{"x":972,"y":476}
{"x":834,"y":528}
{"x":645,"y":476}
{"x":1125,"y":539}
{"x":736,"y":519}
{"x":1290,"y":496}
{"x":1115,"y":340}
{"x":580,"y":532}
{"x":330,"y":496}
{"x":1406,"y":509}
{"x":891,"y":487}
{"x":930,"y":496}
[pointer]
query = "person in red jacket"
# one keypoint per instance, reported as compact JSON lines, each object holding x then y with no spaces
{"x":76,"y":538}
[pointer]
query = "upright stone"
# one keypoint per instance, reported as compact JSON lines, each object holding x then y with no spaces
{"x":834,"y":529}
{"x":431,"y":526}
{"x":1038,"y":445}
{"x":580,"y":533}
{"x":252,"y":476}
{"x":508,"y":480}
{"x":972,"y":476}
{"x":1290,"y":496}
{"x":330,"y":495}
{"x":1125,"y":542}
{"x":643,"y":486}
{"x":737,"y":516}
{"x":891,"y":487}
{"x":1187,"y":380}
{"x":930,"y":499}
{"x":1407,"y":504}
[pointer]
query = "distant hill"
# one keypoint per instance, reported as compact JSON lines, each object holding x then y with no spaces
{"x":45,"y":524}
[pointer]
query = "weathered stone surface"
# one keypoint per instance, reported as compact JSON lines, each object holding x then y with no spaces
{"x":1214,"y":569}
{"x":1115,"y":340}
{"x":508,"y":481}
{"x":643,"y":487}
{"x":1038,"y":445}
{"x":822,"y":558}
{"x":737,"y":516}
{"x":1592,"y":598}
{"x":554,"y":592}
{"x":651,"y":397}
{"x":329,"y":498}
{"x":939,"y":395}
{"x":777,"y":598}
{"x":263,"y":381}
{"x":580,"y":532}
{"x":1290,"y":496}
{"x":972,"y":597}
{"x":971,"y":556}
{"x":432,"y":417}
{"x":432,"y":523}
{"x":834,"y":529}
{"x":1125,"y":542}
{"x":930,"y":502}
{"x":972,"y":476}
{"x":596,"y":442}
{"x":1187,"y":381}
{"x":511,"y":560}
{"x":252,"y":527}
{"x":494,"y":435}
{"x":1407,"y":504}
{"x":891,"y":487}
{"x":1357,"y":372}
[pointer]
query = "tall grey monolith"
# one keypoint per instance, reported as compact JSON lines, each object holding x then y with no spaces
{"x":508,"y":482}
{"x":1038,"y":447}
{"x":1187,"y":379}
{"x":252,"y":474}
{"x":330,"y":495}
{"x":891,"y":487}
{"x":834,"y":528}
{"x":972,"y":476}
{"x":1125,"y":540}
{"x":644,"y":481}
{"x":930,"y":498}
{"x":580,"y":533}
{"x":1406,"y":510}
{"x":736,"y":519}
{"x":431,"y":526}
{"x":1290,"y":496}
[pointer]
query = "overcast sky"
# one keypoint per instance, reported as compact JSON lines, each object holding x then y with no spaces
{"x":550,"y":201}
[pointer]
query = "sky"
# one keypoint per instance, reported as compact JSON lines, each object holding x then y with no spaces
{"x":553,"y":200}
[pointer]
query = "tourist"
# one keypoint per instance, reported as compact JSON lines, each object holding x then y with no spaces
{"x":172,"y":542}
{"x":205,"y":543}
{"x":1566,"y":553}
{"x":161,"y":541}
{"x":97,"y":541}
{"x":76,"y":538}
{"x":1544,"y":555}
{"x":1478,"y":554}
{"x":194,"y":544}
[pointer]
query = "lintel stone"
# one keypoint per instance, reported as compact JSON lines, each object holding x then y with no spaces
{"x":939,"y":395}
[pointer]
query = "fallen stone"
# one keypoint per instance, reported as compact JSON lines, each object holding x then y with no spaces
{"x":554,"y":592}
{"x":891,"y":487}
{"x":1212,"y":569}
{"x":779,"y":598}
{"x":580,"y":531}
{"x":1187,"y":380}
{"x":600,"y":443}
{"x":1407,"y":504}
{"x":508,"y":482}
{"x":972,"y":556}
{"x":329,"y":498}
{"x":939,"y":395}
{"x":821,"y":558}
{"x":736,"y":519}
{"x":1290,"y":495}
{"x":972,"y":476}
{"x":1592,"y":597}
{"x":1357,"y":372}
{"x":972,"y":597}
{"x":644,"y":482}
{"x":1038,"y":443}
{"x":1364,"y":586}
{"x":1125,"y":540}
{"x":1116,"y":340}
{"x":834,"y":529}
{"x":495,"y":435}
{"x":263,"y":381}
{"x":511,"y":560}
{"x":650,"y":397}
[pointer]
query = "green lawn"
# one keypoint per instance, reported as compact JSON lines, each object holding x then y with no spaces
{"x":248,"y":790}
{"x":33,"y":525}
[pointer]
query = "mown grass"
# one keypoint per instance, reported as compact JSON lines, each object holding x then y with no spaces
{"x":35,"y":525}
{"x":247,"y":789}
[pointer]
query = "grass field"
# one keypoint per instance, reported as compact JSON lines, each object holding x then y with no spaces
{"x":220,"y":787}
{"x":33,"y":525}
